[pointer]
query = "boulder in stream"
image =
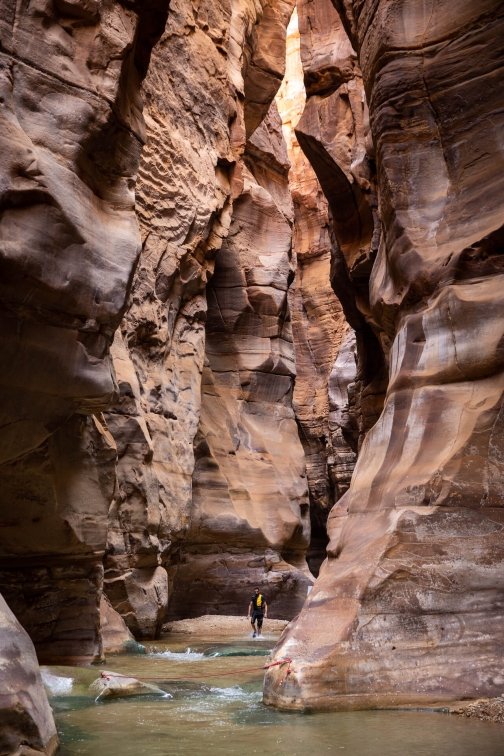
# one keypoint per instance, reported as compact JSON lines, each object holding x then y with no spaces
{"x":114,"y":685}
{"x":26,"y":724}
{"x":115,"y":633}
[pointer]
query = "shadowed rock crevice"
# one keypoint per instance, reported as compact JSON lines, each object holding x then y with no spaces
{"x":320,"y":329}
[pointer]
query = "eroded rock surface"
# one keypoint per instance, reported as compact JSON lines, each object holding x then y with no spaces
{"x":115,"y":635}
{"x":250,"y":520}
{"x":26,"y":720}
{"x":319,"y":324}
{"x":220,"y":67}
{"x":72,"y":133}
{"x":334,"y":134}
{"x":408,"y":604}
{"x":78,"y":483}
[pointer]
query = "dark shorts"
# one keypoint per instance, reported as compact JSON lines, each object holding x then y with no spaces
{"x":257,"y":616}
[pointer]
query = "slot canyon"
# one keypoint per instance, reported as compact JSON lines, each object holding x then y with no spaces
{"x":251,"y":335}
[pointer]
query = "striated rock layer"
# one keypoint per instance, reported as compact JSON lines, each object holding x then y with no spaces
{"x":72,"y":134}
{"x":408,"y":605}
{"x":250,"y":520}
{"x":208,"y":213}
{"x":96,"y":440}
{"x":319,"y":325}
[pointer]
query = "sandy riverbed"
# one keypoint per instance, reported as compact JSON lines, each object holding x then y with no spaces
{"x":218,"y":625}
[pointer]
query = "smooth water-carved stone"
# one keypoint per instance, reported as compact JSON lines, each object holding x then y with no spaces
{"x":319,"y":325}
{"x":407,"y":605}
{"x":26,"y":721}
{"x":206,"y":67}
{"x":71,"y":136}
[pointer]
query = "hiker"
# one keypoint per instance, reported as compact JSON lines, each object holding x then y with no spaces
{"x":258,"y":609}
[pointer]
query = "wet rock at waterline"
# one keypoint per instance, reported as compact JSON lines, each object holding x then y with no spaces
{"x":485,"y":709}
{"x":408,"y":605}
{"x":115,"y":634}
{"x":26,"y":720}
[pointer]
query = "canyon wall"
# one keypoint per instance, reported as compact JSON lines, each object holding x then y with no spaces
{"x":72,"y":133}
{"x":250,"y":519}
{"x":204,"y":324}
{"x":320,"y":329}
{"x":209,"y":198}
{"x":71,"y":142}
{"x":408,"y":605}
{"x":100,"y":408}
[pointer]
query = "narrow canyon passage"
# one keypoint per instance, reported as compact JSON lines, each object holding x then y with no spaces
{"x":250,"y":284}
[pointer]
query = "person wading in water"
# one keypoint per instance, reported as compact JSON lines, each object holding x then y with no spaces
{"x":258,"y":610}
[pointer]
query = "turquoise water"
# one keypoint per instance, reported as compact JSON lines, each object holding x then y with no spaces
{"x":224,"y":715}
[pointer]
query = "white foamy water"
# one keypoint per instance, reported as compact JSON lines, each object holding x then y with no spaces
{"x":236,"y":693}
{"x":182,"y":656}
{"x":57,"y":686}
{"x":212,"y":702}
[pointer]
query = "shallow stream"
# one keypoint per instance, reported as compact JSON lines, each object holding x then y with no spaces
{"x":224,"y":715}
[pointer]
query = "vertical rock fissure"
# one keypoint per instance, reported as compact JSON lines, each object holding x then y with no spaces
{"x":320,"y":328}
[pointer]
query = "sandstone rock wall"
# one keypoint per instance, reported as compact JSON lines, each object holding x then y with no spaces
{"x":71,"y":136}
{"x":72,"y":133}
{"x":335,"y":136}
{"x":26,"y":722}
{"x":250,"y":521}
{"x":81,"y":483}
{"x":408,"y":604}
{"x":77,"y":485}
{"x":183,"y":201}
{"x":212,"y":79}
{"x":319,"y":325}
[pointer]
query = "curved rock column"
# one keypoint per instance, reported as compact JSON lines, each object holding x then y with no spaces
{"x":409,"y":602}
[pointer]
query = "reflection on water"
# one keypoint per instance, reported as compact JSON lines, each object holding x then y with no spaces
{"x":224,"y":715}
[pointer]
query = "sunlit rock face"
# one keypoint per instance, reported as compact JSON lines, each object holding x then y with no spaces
{"x":409,"y":602}
{"x":319,"y":324}
{"x":26,"y":721}
{"x":71,"y":136}
{"x":250,"y":522}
